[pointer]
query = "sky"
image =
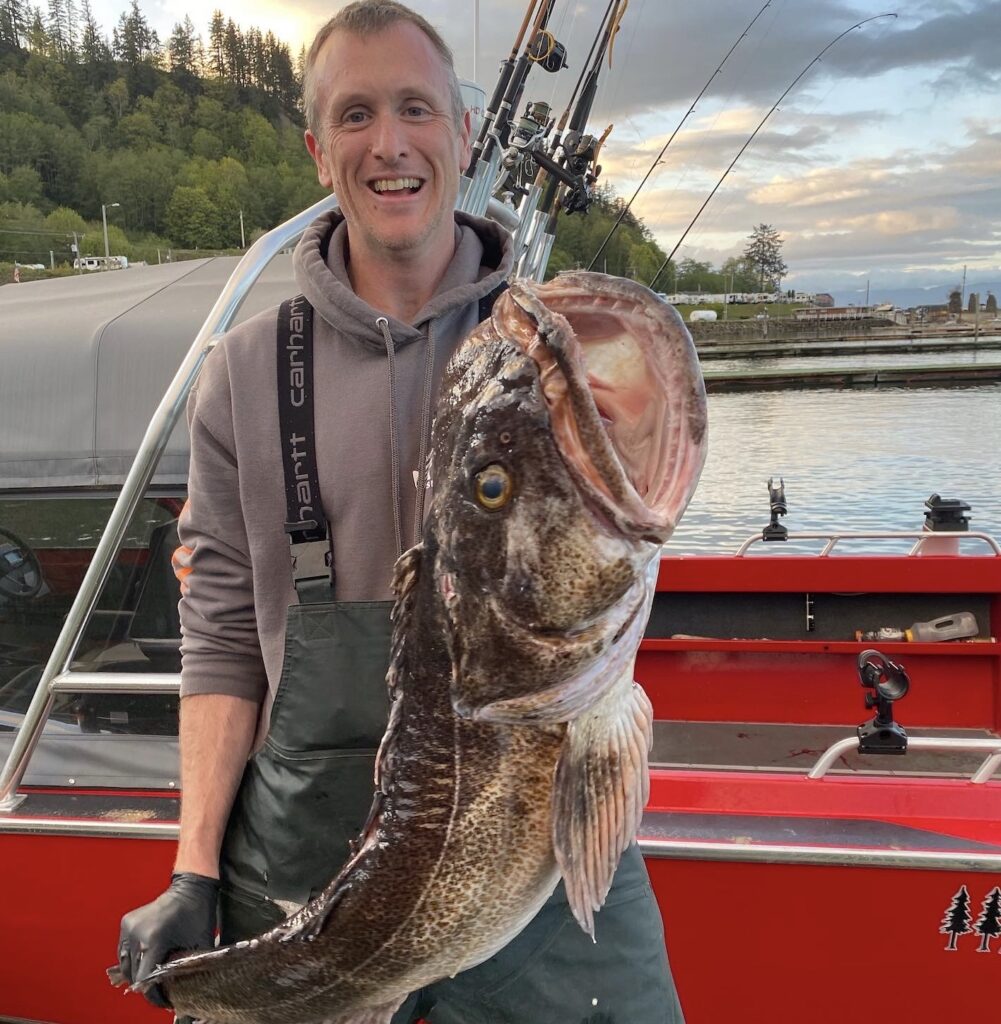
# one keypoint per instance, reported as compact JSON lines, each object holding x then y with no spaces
{"x":880,"y":169}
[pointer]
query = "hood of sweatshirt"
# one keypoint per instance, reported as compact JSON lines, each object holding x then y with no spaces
{"x":483,"y":259}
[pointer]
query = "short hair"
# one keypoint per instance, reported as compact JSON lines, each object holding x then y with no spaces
{"x":365,"y":18}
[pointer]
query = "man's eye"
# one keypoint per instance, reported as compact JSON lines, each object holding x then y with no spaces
{"x":354,"y":117}
{"x":417,"y":111}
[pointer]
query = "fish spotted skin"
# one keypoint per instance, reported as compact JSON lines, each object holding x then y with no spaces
{"x":517,"y":741}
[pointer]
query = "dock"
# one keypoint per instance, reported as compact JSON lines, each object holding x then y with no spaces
{"x":851,"y":377}
{"x":779,"y":349}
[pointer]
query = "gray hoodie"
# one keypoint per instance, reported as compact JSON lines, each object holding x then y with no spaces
{"x":240,"y":584}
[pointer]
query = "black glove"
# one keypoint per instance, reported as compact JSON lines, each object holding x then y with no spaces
{"x":181,"y":919}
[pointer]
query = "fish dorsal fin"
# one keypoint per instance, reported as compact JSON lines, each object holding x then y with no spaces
{"x":406,"y":574}
{"x":602,"y":785}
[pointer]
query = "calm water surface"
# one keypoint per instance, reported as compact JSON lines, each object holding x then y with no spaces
{"x":852,"y":460}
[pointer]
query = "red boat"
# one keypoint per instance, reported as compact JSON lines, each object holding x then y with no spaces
{"x":800,"y":880}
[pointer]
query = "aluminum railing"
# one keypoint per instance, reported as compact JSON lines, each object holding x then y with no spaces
{"x":961,"y":744}
{"x":57,"y":675}
{"x":922,"y":539}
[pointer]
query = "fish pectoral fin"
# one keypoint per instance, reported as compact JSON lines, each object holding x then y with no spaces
{"x":602,"y":785}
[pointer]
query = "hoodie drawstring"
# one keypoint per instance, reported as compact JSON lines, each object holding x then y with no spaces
{"x":425,"y":435}
{"x":394,"y":443}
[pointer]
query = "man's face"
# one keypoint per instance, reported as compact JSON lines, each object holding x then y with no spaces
{"x":386,"y":140}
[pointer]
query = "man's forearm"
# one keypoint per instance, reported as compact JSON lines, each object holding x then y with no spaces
{"x":216,"y":733}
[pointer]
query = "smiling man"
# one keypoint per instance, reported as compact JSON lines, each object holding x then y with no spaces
{"x":285,"y":650}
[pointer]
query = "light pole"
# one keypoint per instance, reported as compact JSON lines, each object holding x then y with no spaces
{"x":104,"y":219}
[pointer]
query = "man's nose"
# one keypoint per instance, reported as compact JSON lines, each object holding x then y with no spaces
{"x":389,"y":140}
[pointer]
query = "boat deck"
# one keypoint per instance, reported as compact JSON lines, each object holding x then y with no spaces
{"x":795,"y":748}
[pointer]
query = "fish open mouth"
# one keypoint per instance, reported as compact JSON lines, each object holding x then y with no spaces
{"x":624,"y":389}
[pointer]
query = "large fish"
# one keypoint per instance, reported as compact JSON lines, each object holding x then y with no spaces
{"x":570,"y":436}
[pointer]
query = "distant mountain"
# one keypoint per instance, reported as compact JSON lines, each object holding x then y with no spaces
{"x":907,"y":298}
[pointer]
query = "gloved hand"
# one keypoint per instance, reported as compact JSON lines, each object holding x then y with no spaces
{"x":181,"y":919}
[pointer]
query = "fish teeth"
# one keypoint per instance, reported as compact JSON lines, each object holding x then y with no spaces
{"x":395,"y":184}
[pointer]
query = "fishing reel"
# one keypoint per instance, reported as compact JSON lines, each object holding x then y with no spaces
{"x":548,"y":52}
{"x":517,"y":165}
{"x":887,"y":682}
{"x":581,"y":152}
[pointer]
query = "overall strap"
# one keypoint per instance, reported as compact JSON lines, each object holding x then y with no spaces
{"x":307,"y":528}
{"x":309,"y":533}
{"x":488,"y":300}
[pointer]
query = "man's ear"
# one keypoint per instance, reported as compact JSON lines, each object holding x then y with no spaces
{"x":316,"y":152}
{"x":465,"y":143}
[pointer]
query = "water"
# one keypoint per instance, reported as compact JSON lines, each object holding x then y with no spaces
{"x":852,"y":460}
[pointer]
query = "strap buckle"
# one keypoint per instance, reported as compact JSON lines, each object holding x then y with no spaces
{"x":310,"y":549}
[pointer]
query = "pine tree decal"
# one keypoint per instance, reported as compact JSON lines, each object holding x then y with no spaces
{"x":988,"y":925}
{"x":957,"y":918}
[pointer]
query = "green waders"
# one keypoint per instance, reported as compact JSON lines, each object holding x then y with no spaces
{"x":306,"y":794}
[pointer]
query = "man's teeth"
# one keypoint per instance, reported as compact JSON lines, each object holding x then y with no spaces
{"x":396,"y":184}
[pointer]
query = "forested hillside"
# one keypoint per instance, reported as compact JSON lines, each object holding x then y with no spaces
{"x":184,"y":134}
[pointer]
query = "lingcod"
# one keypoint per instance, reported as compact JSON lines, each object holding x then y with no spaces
{"x":570,"y":434}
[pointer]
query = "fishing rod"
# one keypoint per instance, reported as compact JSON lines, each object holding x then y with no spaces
{"x":660,"y":155}
{"x":533,"y":131}
{"x":858,"y":24}
{"x":577,"y":150}
{"x":515,"y":85}
{"x":494,"y":106}
{"x":541,"y":47}
{"x":568,"y":170}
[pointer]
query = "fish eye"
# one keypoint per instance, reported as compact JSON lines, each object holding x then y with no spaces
{"x":493,"y":487}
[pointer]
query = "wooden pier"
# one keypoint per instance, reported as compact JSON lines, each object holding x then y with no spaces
{"x":780,"y":349}
{"x":851,"y":377}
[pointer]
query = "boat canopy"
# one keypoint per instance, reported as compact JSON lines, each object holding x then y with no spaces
{"x":85,"y":360}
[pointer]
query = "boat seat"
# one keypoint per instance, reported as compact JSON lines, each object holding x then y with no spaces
{"x":155,"y":627}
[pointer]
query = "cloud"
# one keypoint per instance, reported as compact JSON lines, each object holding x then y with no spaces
{"x":883,"y":159}
{"x":821,"y":186}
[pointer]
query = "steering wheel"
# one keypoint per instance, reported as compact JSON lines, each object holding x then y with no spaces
{"x":20,"y":571}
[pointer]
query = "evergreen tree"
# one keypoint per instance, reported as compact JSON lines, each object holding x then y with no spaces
{"x":988,"y":925}
{"x":182,"y":55}
{"x":236,"y":61}
{"x":257,"y":62}
{"x":764,"y":252}
{"x":992,"y":304}
{"x":58,"y":29}
{"x":955,"y":301}
{"x":14,"y":21}
{"x":72,"y":27}
{"x":957,"y":917}
{"x":216,"y":57}
{"x":973,"y":303}
{"x":285,"y":87}
{"x":37,"y":38}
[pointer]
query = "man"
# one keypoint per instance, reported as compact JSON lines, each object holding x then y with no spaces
{"x":284,"y":664}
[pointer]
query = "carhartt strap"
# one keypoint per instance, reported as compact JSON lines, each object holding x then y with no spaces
{"x":309,"y":534}
{"x":306,"y":525}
